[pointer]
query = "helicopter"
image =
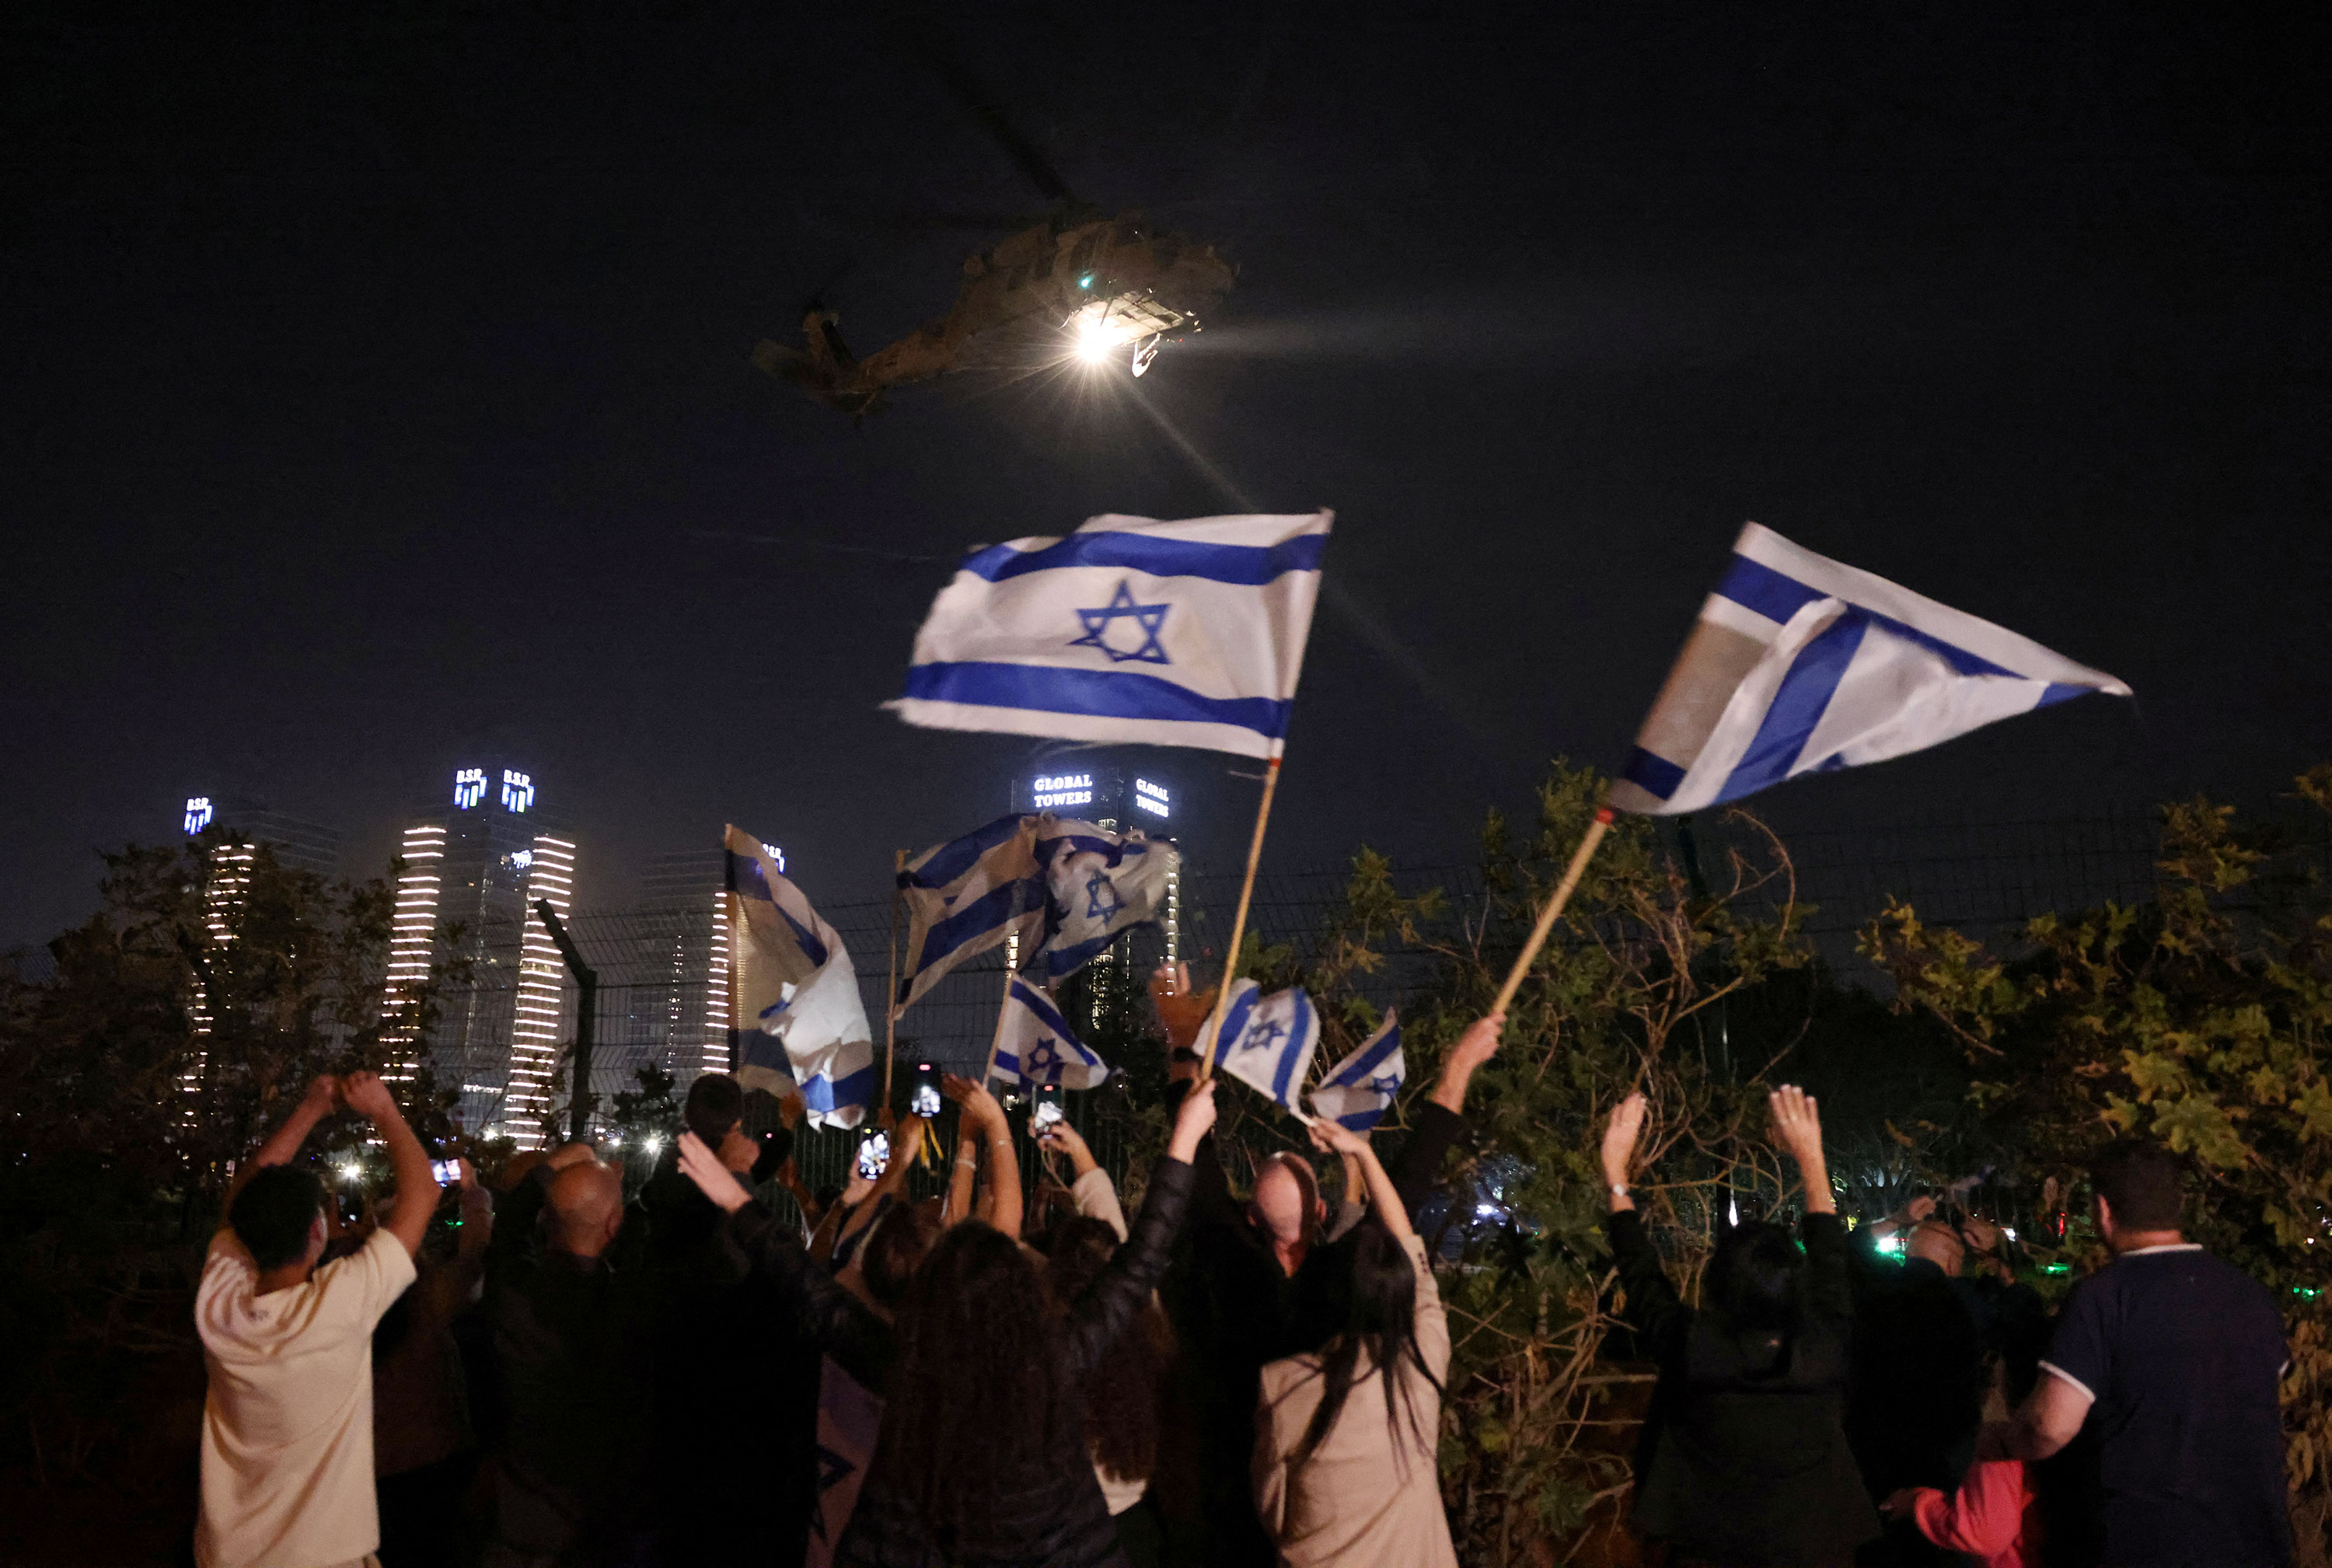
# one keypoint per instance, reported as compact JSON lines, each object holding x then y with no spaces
{"x":1079,"y":284}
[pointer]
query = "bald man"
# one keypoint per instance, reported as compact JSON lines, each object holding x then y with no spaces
{"x":571,"y":1343}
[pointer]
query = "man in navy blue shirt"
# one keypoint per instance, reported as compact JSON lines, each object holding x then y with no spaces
{"x":2173,"y":1357}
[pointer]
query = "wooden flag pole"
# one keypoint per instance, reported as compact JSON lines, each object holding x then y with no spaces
{"x":1546,"y":916}
{"x":1238,"y":920}
{"x":891,"y":991}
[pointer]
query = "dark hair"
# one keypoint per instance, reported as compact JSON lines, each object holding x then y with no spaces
{"x":902,"y":1238}
{"x":1757,"y":1280}
{"x":1122,"y":1391}
{"x":2139,"y":1181}
{"x":1381,"y":1317}
{"x":716,"y":1104}
{"x":273,"y":1213}
{"x":974,"y":1414}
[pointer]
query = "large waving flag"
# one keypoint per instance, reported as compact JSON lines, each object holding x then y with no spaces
{"x":1359,"y":1090}
{"x":1168,"y":634}
{"x":1267,"y":1041}
{"x":1099,"y":884}
{"x":968,"y":895}
{"x":795,"y":1015}
{"x":1036,"y":1045}
{"x":1801,"y":665}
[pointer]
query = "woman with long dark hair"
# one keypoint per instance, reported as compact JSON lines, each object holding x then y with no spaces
{"x":1345,"y":1438}
{"x":1125,"y":1390}
{"x":1744,"y":1459}
{"x":982,"y":1461}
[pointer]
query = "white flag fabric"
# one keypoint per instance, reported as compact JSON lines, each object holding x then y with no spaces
{"x":1267,"y":1041}
{"x":1359,"y":1090}
{"x":1167,"y":634}
{"x":1036,"y":1045}
{"x":966,"y":896}
{"x":796,"y":1019}
{"x":1801,"y":664}
{"x":1098,"y":883}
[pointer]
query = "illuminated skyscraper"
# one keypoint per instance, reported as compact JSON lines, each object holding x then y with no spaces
{"x":1121,"y":801}
{"x":686,"y":892}
{"x":474,"y":868}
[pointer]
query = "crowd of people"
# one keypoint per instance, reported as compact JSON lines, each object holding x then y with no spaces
{"x":1018,"y":1374}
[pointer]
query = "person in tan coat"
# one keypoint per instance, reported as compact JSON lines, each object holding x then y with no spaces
{"x":1345,"y":1437}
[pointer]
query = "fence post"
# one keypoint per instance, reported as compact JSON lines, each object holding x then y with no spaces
{"x":586,"y":1021}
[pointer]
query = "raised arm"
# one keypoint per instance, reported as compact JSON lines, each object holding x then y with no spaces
{"x":1090,"y":1189}
{"x":416,"y":1188}
{"x":984,"y":1119}
{"x":1126,"y":1282}
{"x":283,"y":1144}
{"x":1392,"y":1212}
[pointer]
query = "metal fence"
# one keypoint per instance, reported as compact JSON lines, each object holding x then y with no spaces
{"x":1984,"y":878}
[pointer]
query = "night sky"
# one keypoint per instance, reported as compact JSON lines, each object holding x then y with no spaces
{"x":376,"y":396}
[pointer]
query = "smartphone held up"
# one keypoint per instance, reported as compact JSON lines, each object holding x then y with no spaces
{"x":874,"y":1155}
{"x":923,"y":1096}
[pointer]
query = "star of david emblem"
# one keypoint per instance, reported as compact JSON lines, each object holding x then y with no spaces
{"x":1264,"y":1037}
{"x":1039,"y":1058}
{"x":1148,"y":620}
{"x":1383,"y":1083}
{"x":1101,"y":897}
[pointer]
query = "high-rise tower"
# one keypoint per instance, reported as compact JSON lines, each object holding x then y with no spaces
{"x":475,"y":865}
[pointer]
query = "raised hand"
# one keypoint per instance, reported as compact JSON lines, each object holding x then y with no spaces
{"x":367,"y":1096}
{"x":1619,"y":1135}
{"x":1192,"y":1121}
{"x":323,"y":1096}
{"x":792,"y":1109}
{"x":977,"y":1105}
{"x":700,"y":1165}
{"x":1335,"y":1137}
{"x":1797,"y":1122}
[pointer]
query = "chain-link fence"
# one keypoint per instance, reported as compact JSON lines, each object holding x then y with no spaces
{"x":658,"y":998}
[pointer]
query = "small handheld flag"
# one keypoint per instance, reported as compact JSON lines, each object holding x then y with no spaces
{"x":1359,"y":1090}
{"x":1801,"y":664}
{"x":795,"y":1014}
{"x":1165,"y":634}
{"x":1036,"y":1045}
{"x":1267,"y":1041}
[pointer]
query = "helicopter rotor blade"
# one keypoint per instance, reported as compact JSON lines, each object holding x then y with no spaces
{"x":944,"y":64}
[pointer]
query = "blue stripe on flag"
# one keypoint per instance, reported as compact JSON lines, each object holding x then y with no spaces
{"x":823,"y":1093}
{"x":1360,"y":1120}
{"x":998,"y":906}
{"x":1064,"y":961}
{"x":1755,"y":586}
{"x":953,"y":858}
{"x":757,"y":1048}
{"x":1288,"y":1053}
{"x":1656,"y":775}
{"x":2057,"y":692}
{"x":812,"y":949}
{"x":1797,"y":707}
{"x":1038,"y":1003}
{"x":1362,"y":1067}
{"x":1235,"y":1019}
{"x":1102,"y":693}
{"x":1249,"y":565}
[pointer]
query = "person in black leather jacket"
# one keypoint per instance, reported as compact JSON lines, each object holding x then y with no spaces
{"x":1744,"y":1459}
{"x":982,"y":1460}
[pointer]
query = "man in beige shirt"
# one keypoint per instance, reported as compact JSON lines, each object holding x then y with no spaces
{"x":287,"y":1473}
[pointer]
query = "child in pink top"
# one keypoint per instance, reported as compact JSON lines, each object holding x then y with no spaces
{"x":1995,"y":1516}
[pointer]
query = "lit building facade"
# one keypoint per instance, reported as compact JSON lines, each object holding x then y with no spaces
{"x":1121,"y":800}
{"x":475,"y":864}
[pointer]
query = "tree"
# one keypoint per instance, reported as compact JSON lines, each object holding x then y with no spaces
{"x":2200,"y":1018}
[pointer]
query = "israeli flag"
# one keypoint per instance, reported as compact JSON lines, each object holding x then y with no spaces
{"x":1359,"y":1090}
{"x":1166,"y":634}
{"x":1267,"y":1041}
{"x":1037,"y":1045}
{"x":1098,"y":884}
{"x":796,"y":1019}
{"x":968,"y":895}
{"x":1801,"y":665}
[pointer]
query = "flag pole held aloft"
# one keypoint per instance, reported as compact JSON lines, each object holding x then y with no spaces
{"x":1239,"y":920}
